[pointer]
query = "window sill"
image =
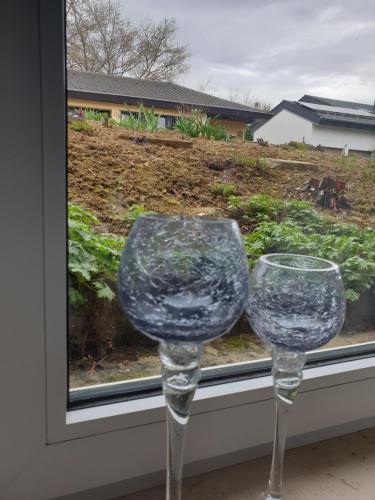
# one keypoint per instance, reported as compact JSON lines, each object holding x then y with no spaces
{"x":139,"y":412}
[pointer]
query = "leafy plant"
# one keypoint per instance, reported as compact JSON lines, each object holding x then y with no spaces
{"x":265,"y":207}
{"x":197,"y":124}
{"x":260,"y":206}
{"x":93,"y":114}
{"x":93,"y":257}
{"x":141,"y":120}
{"x":81,"y":126}
{"x":350,"y":246}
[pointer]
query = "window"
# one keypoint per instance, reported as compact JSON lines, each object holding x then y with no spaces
{"x":90,"y":445}
{"x":115,"y":177}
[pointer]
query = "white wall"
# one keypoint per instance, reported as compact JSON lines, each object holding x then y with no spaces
{"x":334,"y":137}
{"x":285,"y":127}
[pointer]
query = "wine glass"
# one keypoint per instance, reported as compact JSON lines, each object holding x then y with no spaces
{"x":296,"y":304}
{"x":182,"y":281}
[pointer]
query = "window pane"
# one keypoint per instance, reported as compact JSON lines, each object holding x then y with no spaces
{"x":297,"y":175}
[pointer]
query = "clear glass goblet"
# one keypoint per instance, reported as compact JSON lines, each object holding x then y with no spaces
{"x":296,"y":304}
{"x":182,"y":281}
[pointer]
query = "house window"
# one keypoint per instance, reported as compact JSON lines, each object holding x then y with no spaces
{"x":88,"y":113}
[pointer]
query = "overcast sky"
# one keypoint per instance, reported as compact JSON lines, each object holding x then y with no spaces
{"x":273,"y":50}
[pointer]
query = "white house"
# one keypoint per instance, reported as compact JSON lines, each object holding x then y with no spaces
{"x":321,"y":121}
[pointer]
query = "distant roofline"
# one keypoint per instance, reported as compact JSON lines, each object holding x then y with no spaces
{"x":335,"y":102}
{"x":299,"y":109}
{"x":242,"y":112}
{"x":229,"y":113}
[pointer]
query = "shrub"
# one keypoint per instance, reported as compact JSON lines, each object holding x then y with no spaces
{"x":81,"y":126}
{"x":223,"y":189}
{"x":94,"y":258}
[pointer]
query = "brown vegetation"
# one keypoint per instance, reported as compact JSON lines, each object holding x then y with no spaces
{"x":109,"y":174}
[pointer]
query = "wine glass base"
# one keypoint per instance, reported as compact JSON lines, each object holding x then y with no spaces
{"x":267,"y":496}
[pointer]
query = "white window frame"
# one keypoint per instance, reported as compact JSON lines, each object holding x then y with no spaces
{"x":117,"y":448}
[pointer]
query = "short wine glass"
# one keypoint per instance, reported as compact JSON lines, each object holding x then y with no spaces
{"x":296,"y":304}
{"x":182,"y":281}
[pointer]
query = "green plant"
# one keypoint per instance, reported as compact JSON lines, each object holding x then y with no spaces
{"x":369,"y":170}
{"x":262,"y":165}
{"x":140,"y":120}
{"x":261,"y":206}
{"x":93,"y":114}
{"x":134,"y":211}
{"x":247,"y":162}
{"x":197,"y":124}
{"x":248,"y":135}
{"x":93,"y":257}
{"x":265,"y":207}
{"x":223,"y":189}
{"x":297,"y":145}
{"x":81,"y":126}
{"x":350,"y":246}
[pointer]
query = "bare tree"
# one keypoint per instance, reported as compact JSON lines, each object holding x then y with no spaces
{"x":159,"y":57}
{"x":249,"y":100}
{"x":100,"y":39}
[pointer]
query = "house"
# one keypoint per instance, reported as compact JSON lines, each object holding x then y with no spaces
{"x":120,"y":95}
{"x":330,"y":123}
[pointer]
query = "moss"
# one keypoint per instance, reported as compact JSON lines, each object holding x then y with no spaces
{"x":236,"y":342}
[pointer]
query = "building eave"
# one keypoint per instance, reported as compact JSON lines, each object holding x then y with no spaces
{"x":346,"y":124}
{"x":244,"y":116}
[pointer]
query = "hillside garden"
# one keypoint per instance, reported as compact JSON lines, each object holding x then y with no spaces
{"x":116,"y":171}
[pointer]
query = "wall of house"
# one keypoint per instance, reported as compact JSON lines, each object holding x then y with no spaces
{"x":334,"y":137}
{"x":116,"y":109}
{"x":234,"y":127}
{"x":285,"y":127}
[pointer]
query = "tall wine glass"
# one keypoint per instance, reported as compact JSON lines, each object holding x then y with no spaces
{"x":183,"y":281}
{"x":296,"y":304}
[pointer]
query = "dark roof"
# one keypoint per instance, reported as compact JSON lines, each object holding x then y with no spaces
{"x":108,"y":88}
{"x":335,"y":102}
{"x":329,"y":115}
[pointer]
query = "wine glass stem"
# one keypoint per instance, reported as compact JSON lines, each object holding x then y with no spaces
{"x":175,"y":456}
{"x":180,"y":376}
{"x":287,"y":377}
{"x":276,"y":476}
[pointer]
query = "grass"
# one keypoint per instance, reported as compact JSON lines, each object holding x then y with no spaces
{"x":223,"y":189}
{"x":81,"y":126}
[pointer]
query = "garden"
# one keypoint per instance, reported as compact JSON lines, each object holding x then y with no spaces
{"x":118,"y":170}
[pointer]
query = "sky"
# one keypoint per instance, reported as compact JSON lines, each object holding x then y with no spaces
{"x":271,"y":50}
